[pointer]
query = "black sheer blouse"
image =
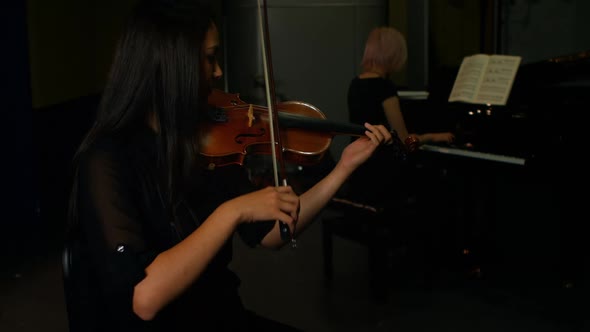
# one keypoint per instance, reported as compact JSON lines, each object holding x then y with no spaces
{"x":124,"y":223}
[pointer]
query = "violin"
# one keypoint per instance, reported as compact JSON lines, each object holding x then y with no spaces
{"x":233,"y":129}
{"x":292,"y":131}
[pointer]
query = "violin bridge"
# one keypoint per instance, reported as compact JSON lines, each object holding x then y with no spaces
{"x":250,"y":116}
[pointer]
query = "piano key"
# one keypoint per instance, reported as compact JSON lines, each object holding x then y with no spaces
{"x":473,"y":154}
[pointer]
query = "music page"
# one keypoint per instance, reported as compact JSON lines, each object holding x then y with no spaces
{"x":497,"y":81}
{"x":485,"y":79}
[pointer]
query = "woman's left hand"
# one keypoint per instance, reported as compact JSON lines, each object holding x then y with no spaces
{"x":362,"y":148}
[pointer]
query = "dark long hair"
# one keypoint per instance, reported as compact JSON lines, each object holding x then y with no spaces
{"x":156,"y":71}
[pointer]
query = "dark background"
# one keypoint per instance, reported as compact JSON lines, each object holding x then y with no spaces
{"x":55,"y":56}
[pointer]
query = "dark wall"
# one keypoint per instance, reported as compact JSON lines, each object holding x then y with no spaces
{"x":543,"y":29}
{"x":57,"y":132}
{"x":19,"y":191}
{"x":37,"y":146}
{"x":71,"y":46}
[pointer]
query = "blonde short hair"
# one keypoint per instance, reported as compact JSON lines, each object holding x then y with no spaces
{"x":385,"y":48}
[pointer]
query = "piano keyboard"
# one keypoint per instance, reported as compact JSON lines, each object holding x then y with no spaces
{"x":473,"y":154}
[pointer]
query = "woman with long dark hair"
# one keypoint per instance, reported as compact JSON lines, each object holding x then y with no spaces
{"x":155,"y":229}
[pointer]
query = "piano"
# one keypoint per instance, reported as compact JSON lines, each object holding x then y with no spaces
{"x":528,"y":130}
{"x":503,"y":189}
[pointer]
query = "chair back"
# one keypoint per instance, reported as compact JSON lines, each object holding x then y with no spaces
{"x":79,"y":288}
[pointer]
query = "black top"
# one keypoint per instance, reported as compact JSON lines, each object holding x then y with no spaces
{"x":125,"y":223}
{"x":366,"y":97}
{"x":377,"y":180}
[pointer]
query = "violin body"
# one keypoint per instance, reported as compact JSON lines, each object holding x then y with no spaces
{"x":233,"y":129}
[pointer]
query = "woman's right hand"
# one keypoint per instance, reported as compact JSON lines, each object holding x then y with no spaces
{"x":359,"y":151}
{"x":270,"y":203}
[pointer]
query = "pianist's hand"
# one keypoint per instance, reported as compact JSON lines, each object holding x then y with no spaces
{"x":447,"y":138}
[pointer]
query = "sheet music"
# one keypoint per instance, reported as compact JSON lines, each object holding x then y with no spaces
{"x":485,"y":79}
{"x":497,"y":82}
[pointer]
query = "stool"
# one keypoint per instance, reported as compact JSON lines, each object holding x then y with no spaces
{"x":366,"y":225}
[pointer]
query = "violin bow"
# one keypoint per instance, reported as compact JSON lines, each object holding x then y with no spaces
{"x":279,"y":172}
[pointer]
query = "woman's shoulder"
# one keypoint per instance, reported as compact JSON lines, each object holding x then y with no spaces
{"x":120,"y":146}
{"x":110,"y":150}
{"x":101,"y":155}
{"x":113,"y":159}
{"x":378,"y":87}
{"x":371,"y":81}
